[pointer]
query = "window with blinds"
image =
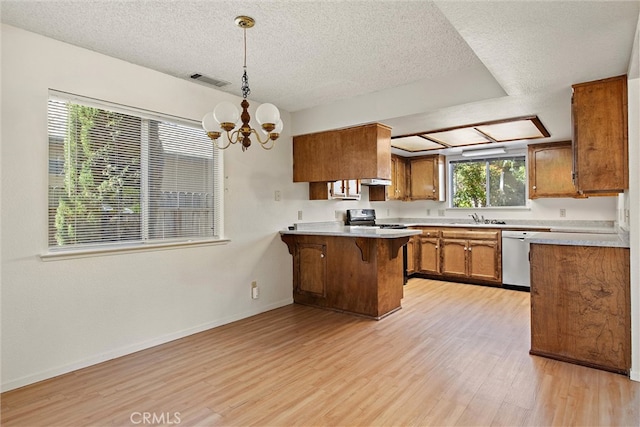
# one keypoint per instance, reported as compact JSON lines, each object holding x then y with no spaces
{"x":120,"y":176}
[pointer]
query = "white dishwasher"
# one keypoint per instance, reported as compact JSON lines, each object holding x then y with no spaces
{"x":515,"y":258}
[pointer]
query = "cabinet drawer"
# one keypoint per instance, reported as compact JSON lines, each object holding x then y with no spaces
{"x":471,"y":234}
{"x":429,"y":231}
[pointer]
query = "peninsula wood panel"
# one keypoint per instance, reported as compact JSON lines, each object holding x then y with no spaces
{"x":362,"y":275}
{"x":580,"y":305}
{"x":351,"y":153}
{"x":600,"y":145}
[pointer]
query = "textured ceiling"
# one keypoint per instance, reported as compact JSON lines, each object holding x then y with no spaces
{"x":307,"y":56}
{"x":299,"y":54}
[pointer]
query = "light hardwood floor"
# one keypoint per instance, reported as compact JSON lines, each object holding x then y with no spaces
{"x":454,"y":355}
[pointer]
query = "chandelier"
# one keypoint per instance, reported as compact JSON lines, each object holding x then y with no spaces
{"x":225,"y":117}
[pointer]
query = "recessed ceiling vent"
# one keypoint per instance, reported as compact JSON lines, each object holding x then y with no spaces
{"x":209,"y":80}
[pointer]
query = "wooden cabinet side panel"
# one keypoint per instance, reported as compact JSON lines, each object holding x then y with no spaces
{"x":390,"y":278}
{"x":599,"y":111}
{"x":580,"y":305}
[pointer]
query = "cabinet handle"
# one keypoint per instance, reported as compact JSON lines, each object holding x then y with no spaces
{"x":535,"y":188}
{"x":469,"y":249}
{"x":465,"y":248}
{"x":321,"y":255}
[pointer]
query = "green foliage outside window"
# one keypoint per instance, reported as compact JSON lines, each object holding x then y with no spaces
{"x":488,"y":182}
{"x":100,"y":186}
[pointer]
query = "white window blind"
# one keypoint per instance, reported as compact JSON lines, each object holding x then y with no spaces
{"x":125,"y":177}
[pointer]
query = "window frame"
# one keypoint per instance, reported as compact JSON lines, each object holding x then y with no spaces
{"x":144,"y":243}
{"x":511,"y":154}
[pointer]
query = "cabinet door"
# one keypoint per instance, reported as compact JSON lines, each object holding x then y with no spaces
{"x":484,"y":260}
{"x":454,"y":257}
{"x":423,"y":179}
{"x":353,"y":189}
{"x":311,"y":269}
{"x":550,"y":170}
{"x":411,"y":254}
{"x":397,"y":189}
{"x":345,"y":189}
{"x":599,"y":111}
{"x":429,"y":255}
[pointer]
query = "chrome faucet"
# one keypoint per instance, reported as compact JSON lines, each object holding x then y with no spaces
{"x":478,"y":219}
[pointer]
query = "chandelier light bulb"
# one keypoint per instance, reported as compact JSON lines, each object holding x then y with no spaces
{"x":209,"y":123}
{"x":279,"y":126}
{"x":267,"y":113}
{"x":226,"y":112}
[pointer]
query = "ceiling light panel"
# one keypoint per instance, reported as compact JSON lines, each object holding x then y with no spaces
{"x":415,"y":143}
{"x":514,"y":130}
{"x":458,"y":137}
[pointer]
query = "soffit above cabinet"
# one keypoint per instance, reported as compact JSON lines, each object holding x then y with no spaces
{"x":499,"y":131}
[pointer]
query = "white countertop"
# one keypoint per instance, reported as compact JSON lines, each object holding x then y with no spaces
{"x":337,"y":229}
{"x":620,"y":240}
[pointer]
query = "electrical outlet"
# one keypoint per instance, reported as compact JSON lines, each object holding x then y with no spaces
{"x":563,"y":213}
{"x":428,"y":212}
{"x":277,"y":195}
{"x":440,"y":212}
{"x":255,"y":293}
{"x":299,"y":215}
{"x":337,"y":214}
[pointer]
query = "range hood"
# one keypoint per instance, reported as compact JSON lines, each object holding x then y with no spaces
{"x":375,"y":181}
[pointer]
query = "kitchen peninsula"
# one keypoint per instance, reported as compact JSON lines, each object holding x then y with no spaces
{"x":358,"y":270}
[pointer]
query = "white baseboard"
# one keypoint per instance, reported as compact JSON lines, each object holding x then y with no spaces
{"x":634,"y":375}
{"x":123,"y":351}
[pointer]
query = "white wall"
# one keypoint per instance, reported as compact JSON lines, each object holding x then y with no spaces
{"x":61,"y":315}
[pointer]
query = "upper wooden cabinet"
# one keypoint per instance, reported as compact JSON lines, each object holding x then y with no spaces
{"x":600,"y":148}
{"x":351,"y":153}
{"x":427,"y":178}
{"x":550,"y":170}
{"x":398,"y":188}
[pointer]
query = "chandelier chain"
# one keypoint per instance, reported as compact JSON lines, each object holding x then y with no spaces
{"x":246,"y":91}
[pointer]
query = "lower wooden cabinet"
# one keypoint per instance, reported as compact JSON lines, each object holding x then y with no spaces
{"x":580,"y":305}
{"x":429,"y":254}
{"x":475,"y":255}
{"x":458,"y":253}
